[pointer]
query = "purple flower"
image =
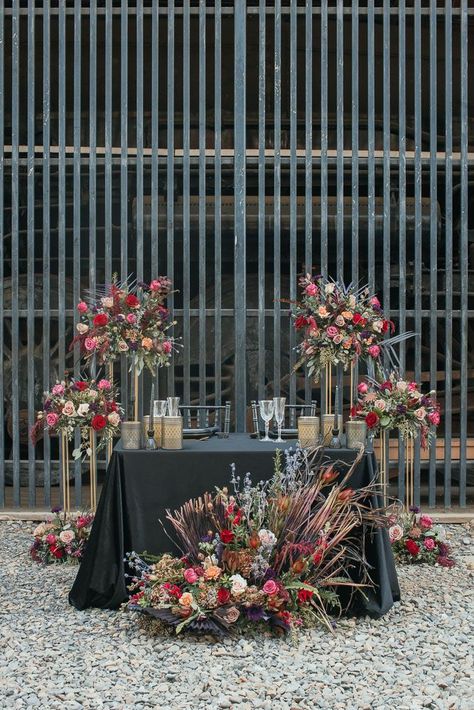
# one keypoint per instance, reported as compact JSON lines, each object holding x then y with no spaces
{"x":47,"y":405}
{"x":414,"y":509}
{"x":401,"y":409}
{"x":94,"y":407}
{"x":133,"y":346}
{"x":269,"y":574}
{"x":56,"y":509}
{"x":120,"y":318}
{"x":425,"y":401}
{"x":254,"y":613}
{"x":207,"y":538}
{"x":365,"y":334}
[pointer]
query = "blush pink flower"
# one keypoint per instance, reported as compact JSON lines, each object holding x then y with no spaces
{"x":270,"y":587}
{"x":434,"y":418}
{"x":52,"y":419}
{"x":420,"y":413}
{"x":425,"y":522}
{"x":190,"y":575}
{"x":374,"y":351}
{"x":311,"y":289}
{"x":155,"y":285}
{"x":332,"y":331}
{"x":50,"y":539}
{"x":374,"y":301}
{"x":67,"y":536}
{"x":167,"y":346}
{"x":58,"y":390}
{"x":69,"y":409}
{"x":340,"y":321}
{"x":114,"y":418}
{"x":362,"y":388}
{"x":90,"y":344}
{"x":104,"y":385}
{"x":429,"y":543}
{"x":82,"y":307}
{"x":337,"y":339}
{"x":131,"y":318}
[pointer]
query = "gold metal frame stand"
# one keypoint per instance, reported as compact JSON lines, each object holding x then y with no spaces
{"x":66,"y":493}
{"x":328,"y":384}
{"x":409,"y":473}
{"x":93,"y":469}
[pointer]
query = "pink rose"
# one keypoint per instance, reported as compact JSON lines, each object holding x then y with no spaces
{"x":67,"y":536}
{"x":131,"y":318}
{"x":395,"y":533}
{"x":340,"y":321}
{"x":332,"y":331}
{"x":429,"y":543}
{"x":434,"y":418}
{"x":52,"y":419}
{"x":270,"y":587}
{"x":50,"y":539}
{"x":167,"y":346}
{"x":374,"y":351}
{"x":90,"y":344}
{"x":425,"y":522}
{"x":190,"y":576}
{"x":114,"y":418}
{"x":311,"y":289}
{"x":337,"y":339}
{"x":412,"y":386}
{"x":82,"y":307}
{"x":69,"y":409}
{"x":58,"y":389}
{"x":362,"y":388}
{"x":155,"y":285}
{"x":104,"y":385}
{"x":420,"y":413}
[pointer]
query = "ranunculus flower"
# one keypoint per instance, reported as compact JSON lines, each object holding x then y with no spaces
{"x":82,"y":409}
{"x":362,"y":387}
{"x":420,"y":413}
{"x":167,"y":346}
{"x":82,"y":307}
{"x":311,"y":289}
{"x":155,"y":285}
{"x":147,"y":343}
{"x":67,"y":536}
{"x":190,"y":575}
{"x":69,"y":409}
{"x":412,"y":547}
{"x":98,"y":422}
{"x":82,"y":328}
{"x":90,"y":344}
{"x":227,"y":536}
{"x":304,"y":595}
{"x":332,"y":331}
{"x":122,"y":346}
{"x":58,"y":390}
{"x":100,"y":320}
{"x":107,"y":301}
{"x":395,"y":533}
{"x":52,"y":419}
{"x":114,"y":418}
{"x":186,"y":599}
{"x":239,"y":584}
{"x":81,"y":386}
{"x":270,"y":587}
{"x":132,"y":301}
{"x":104,"y":385}
{"x":386,"y":326}
{"x":212,"y":572}
{"x":374,"y":351}
{"x":434,"y":418}
{"x":371,"y":420}
{"x":429,"y":543}
{"x":131,"y":318}
{"x":223,"y":595}
{"x":425,"y":522}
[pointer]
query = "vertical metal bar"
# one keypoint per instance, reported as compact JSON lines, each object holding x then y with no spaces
{"x":46,"y":236}
{"x":93,"y":145}
{"x":170,"y":166}
{"x":464,"y":254}
{"x":77,"y":210}
{"x":202,"y":202}
{"x":402,"y":210}
{"x":277,"y":205}
{"x":448,"y":112}
{"x":355,"y":143}
{"x":418,"y":225}
{"x":240,"y":16}
{"x":217,"y":197}
{"x":386,"y":186}
{"x":62,"y":187}
{"x":324,"y":137}
{"x":186,"y":202}
{"x":15,"y":237}
{"x":155,"y":86}
{"x":2,"y":252}
{"x":293,"y":185}
{"x":124,"y":139}
{"x":433,"y":232}
{"x":139,"y":129}
{"x":308,"y":258}
{"x":31,"y":252}
{"x":108,"y":143}
{"x":371,"y":144}
{"x":340,"y":139}
{"x":261,"y":197}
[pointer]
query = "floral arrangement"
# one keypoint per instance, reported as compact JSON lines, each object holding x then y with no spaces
{"x":274,"y":553}
{"x":340,"y":324}
{"x":128,"y":320}
{"x":84,"y":404}
{"x":397,"y":404}
{"x":416,"y":539}
{"x":61,"y":539}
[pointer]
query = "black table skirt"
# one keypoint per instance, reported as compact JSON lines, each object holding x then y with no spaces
{"x":141,"y":485}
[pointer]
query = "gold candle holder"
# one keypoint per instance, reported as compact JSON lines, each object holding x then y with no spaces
{"x":308,"y":432}
{"x":356,"y":433}
{"x":172,"y":433}
{"x":327,"y":426}
{"x":157,"y":429}
{"x":131,"y":435}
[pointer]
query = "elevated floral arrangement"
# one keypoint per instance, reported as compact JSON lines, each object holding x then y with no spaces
{"x":397,"y":404}
{"x":127,"y":319}
{"x":276,"y":553}
{"x":416,"y":539}
{"x":61,"y":539}
{"x":340,"y":324}
{"x":84,"y":404}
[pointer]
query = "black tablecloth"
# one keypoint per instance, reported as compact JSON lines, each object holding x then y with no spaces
{"x":140,"y":485}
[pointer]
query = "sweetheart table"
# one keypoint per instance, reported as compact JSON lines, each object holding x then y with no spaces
{"x":140,"y":485}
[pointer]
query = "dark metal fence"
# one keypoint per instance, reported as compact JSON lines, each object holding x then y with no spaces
{"x":229,"y":145}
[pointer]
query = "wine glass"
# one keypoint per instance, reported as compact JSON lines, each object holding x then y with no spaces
{"x":266,"y":412}
{"x":279,"y":411}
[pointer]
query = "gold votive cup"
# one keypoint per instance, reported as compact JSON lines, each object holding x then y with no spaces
{"x":308,"y":432}
{"x":328,"y":424}
{"x":157,"y":429}
{"x":131,"y":433}
{"x":172,"y":433}
{"x":356,"y":433}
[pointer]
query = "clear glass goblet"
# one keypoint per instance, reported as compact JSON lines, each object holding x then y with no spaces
{"x":279,"y":412}
{"x":266,"y":412}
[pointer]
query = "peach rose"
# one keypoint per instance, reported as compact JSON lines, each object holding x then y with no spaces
{"x":122,"y":346}
{"x":147,"y":343}
{"x":107,"y":301}
{"x":380,"y":404}
{"x":114,"y":418}
{"x":420,"y":413}
{"x":323,"y":311}
{"x":186,"y":599}
{"x":69,"y":409}
{"x":347,"y":315}
{"x":67,"y":536}
{"x":212,"y":572}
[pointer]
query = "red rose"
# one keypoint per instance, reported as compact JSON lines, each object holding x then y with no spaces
{"x":227,"y":536}
{"x":132,"y":301}
{"x":371,"y":420}
{"x":100,"y":319}
{"x":412,"y":547}
{"x":300,"y":322}
{"x":304,"y":595}
{"x":56,"y":551}
{"x":386,"y":386}
{"x":98,"y":422}
{"x":81,"y":386}
{"x":357,"y":318}
{"x":223,"y":595}
{"x":111,"y":407}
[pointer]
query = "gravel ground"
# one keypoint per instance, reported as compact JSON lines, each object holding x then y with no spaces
{"x":420,"y":655}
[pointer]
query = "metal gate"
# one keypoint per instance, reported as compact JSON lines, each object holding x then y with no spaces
{"x":228,"y":145}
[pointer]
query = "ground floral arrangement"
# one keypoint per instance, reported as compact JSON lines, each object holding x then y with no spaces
{"x":61,"y":539}
{"x":277,"y":553}
{"x":84,"y":404}
{"x":416,"y":539}
{"x":128,"y":319}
